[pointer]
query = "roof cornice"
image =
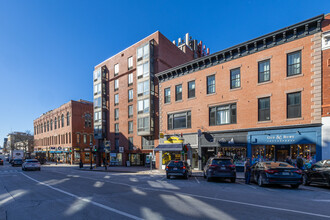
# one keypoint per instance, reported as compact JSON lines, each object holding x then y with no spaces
{"x":282,"y":36}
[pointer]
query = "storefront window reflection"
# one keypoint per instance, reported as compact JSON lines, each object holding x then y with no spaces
{"x":168,"y":156}
{"x":263,"y":153}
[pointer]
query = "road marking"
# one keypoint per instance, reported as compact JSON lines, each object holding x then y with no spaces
{"x":197,"y":180}
{"x":218,"y":199}
{"x":86,"y":200}
{"x":247,"y":185}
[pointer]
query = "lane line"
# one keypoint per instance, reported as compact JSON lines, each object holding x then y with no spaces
{"x":86,"y":200}
{"x":247,"y":185}
{"x":197,"y":180}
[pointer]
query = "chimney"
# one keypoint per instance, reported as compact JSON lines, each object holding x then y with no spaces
{"x":187,"y":39}
{"x":174,"y":42}
{"x":179,"y":41}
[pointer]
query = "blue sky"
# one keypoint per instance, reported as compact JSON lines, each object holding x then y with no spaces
{"x":48,"y":48}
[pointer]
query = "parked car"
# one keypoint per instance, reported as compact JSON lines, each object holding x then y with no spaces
{"x":17,"y":162}
{"x":31,"y":164}
{"x":319,"y":173}
{"x":1,"y":161}
{"x":220,"y":167}
{"x":276,"y":173}
{"x":178,"y":168}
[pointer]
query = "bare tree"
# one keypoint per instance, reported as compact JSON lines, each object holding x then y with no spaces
{"x":22,"y":140}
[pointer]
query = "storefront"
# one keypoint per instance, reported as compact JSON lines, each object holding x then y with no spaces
{"x":116,"y":159}
{"x":277,"y":145}
{"x":168,"y":152}
{"x":232,"y":145}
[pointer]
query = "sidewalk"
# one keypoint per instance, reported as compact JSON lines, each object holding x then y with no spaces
{"x":143,"y":170}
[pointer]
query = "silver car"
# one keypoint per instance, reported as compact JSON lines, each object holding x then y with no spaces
{"x":31,"y":164}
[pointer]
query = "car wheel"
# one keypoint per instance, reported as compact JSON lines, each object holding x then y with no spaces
{"x":260,"y":181}
{"x":23,"y":168}
{"x":233,"y":180}
{"x":168,"y":176}
{"x":185,"y":176}
{"x":39,"y":169}
{"x":295,"y":186}
{"x":305,"y":180}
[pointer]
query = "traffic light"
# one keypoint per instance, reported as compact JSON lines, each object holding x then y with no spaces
{"x":94,"y":149}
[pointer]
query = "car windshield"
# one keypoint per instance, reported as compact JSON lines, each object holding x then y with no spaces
{"x":32,"y":161}
{"x":221,"y":162}
{"x":274,"y":165}
{"x":175,"y":164}
{"x":18,"y":160}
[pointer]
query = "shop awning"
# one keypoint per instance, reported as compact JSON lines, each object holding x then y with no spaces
{"x":51,"y":151}
{"x":169,"y":147}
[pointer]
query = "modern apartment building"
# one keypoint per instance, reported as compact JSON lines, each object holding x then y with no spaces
{"x":66,"y":133}
{"x":261,"y":99}
{"x":126,"y":97}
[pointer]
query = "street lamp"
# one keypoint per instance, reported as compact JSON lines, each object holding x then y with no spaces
{"x":91,"y":155}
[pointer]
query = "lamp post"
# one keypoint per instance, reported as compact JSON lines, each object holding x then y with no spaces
{"x":91,"y":155}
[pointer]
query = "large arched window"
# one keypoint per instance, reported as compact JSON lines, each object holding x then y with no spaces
{"x":55,"y":123}
{"x":47,"y":125}
{"x":51,"y":124}
{"x":62,"y":119}
{"x":59,"y":122}
{"x":67,"y":119}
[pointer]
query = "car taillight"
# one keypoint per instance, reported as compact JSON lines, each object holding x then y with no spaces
{"x":298,"y":171}
{"x":271,"y":171}
{"x":212,"y":166}
{"x":167,"y":167}
{"x":184,"y":167}
{"x":232,"y":166}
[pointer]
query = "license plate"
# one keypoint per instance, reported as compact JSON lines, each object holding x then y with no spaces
{"x":285,"y":173}
{"x":175,"y":168}
{"x":223,"y":168}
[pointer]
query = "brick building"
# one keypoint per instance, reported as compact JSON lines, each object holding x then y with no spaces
{"x":326,"y":87}
{"x":126,"y":97}
{"x":65,"y":133}
{"x":260,"y":99}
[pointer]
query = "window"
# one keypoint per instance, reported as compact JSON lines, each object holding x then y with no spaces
{"x":116,"y":84}
{"x":130,"y":79}
{"x":67,"y":118}
{"x":85,"y":138}
{"x":143,"y":52}
{"x":116,"y":99}
{"x":147,"y":142}
{"x":167,"y":93}
{"x":98,"y":130}
{"x":97,"y":116}
{"x":130,"y":143}
{"x":130,"y":127}
{"x":225,"y":114}
{"x":191,"y":89}
{"x":264,"y":71}
{"x":47,"y":125}
{"x":97,"y":89}
{"x":264,"y":109}
{"x":97,"y":74}
{"x":97,"y":102}
{"x":90,"y":138}
{"x":130,"y":63}
{"x":88,"y":120}
{"x":143,"y":70}
{"x":294,"y":105}
{"x":117,"y":128}
{"x":78,"y":138}
{"x":211,"y":84}
{"x":55,"y":123}
{"x":178,"y":92}
{"x":294,"y":63}
{"x":116,"y":114}
{"x":143,"y":124}
{"x":179,"y":120}
{"x":143,"y":106}
{"x":62,"y":119}
{"x":116,"y":69}
{"x":130,"y":95}
{"x":235,"y":78}
{"x":51,"y":124}
{"x":130,"y":111}
{"x":117,"y":143}
{"x":143,"y":88}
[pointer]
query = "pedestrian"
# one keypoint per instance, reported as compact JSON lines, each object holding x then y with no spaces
{"x":81,"y":165}
{"x":288,"y":160}
{"x":247,"y":171}
{"x":56,"y":161}
{"x":104,"y":163}
{"x":300,"y":163}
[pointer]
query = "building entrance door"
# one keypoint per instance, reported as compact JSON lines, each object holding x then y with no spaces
{"x":281,"y":152}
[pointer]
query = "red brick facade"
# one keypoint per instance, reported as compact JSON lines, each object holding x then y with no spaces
{"x":68,"y":140}
{"x":326,"y":72}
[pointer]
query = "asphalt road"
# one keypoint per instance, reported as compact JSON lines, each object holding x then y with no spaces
{"x":68,"y":193}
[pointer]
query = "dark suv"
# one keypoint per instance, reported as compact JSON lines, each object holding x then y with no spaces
{"x":178,"y":168}
{"x":220,"y":167}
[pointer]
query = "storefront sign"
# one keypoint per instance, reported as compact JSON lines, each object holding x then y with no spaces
{"x":77,"y":149}
{"x":53,"y":148}
{"x":173,"y":140}
{"x":59,"y":148}
{"x":87,"y":149}
{"x":113,"y":155}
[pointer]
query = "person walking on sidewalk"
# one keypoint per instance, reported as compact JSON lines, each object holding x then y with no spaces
{"x":81,"y":165}
{"x":247,"y":170}
{"x":104,"y":163}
